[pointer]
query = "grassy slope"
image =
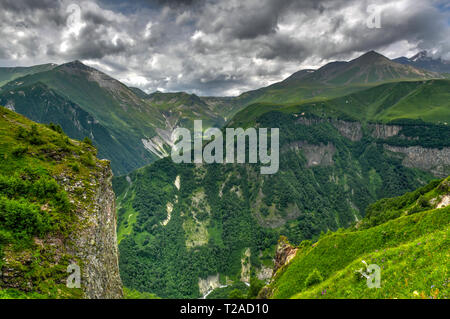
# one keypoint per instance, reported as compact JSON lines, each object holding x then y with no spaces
{"x":412,"y":250}
{"x":12,"y":73}
{"x":32,"y":157}
{"x":426,"y":100}
{"x":127,"y":118}
{"x":44,"y":105}
{"x":125,"y":115}
{"x":336,"y":79}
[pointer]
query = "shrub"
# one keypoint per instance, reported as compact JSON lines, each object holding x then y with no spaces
{"x":87,"y":159}
{"x":313,"y":278}
{"x":75,"y":167}
{"x":236,"y":294}
{"x":56,"y":127}
{"x":19,"y":151}
{"x":23,"y":217}
{"x":34,"y":136}
{"x":422,"y":202}
{"x":88,"y":141}
{"x":255,"y":286}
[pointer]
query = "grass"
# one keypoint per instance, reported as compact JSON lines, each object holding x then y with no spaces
{"x":412,"y":250}
{"x":417,"y":269}
{"x":426,"y":100}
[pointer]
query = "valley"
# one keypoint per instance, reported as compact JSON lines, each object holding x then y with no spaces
{"x":351,"y":135}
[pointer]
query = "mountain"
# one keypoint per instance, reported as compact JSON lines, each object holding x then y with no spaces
{"x":133,"y":128}
{"x":423,"y":100}
{"x":130,"y":127}
{"x":127,"y":118}
{"x":337,"y":79}
{"x":424,"y":61}
{"x":139,"y":93}
{"x":351,"y":133}
{"x":9,"y":74}
{"x":406,"y":237}
{"x":368,"y":68}
{"x":57,"y":208}
{"x":44,"y":105}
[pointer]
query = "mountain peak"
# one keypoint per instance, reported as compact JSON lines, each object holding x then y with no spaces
{"x":76,"y":64}
{"x":370,"y":57}
{"x":420,"y":56}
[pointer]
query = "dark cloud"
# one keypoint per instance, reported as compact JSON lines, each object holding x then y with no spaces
{"x":214,"y":47}
{"x":28,"y":5}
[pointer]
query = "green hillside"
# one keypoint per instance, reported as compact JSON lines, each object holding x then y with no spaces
{"x":186,"y":108}
{"x":406,"y":236}
{"x":171,"y":238}
{"x":44,"y":105}
{"x":37,"y":214}
{"x":12,"y":73}
{"x":130,"y":127}
{"x":425,"y":100}
{"x":428,"y":101}
{"x":336,"y":79}
{"x":127,"y":118}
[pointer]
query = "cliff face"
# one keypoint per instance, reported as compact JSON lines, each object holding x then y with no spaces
{"x":57,"y":215}
{"x":95,"y":243}
{"x":433,"y":160}
{"x":284,"y":254}
{"x":436,"y":161}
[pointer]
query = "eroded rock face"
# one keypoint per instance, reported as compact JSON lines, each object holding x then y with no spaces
{"x":284,"y":254}
{"x":246,"y":266}
{"x":209,"y":283}
{"x":96,"y":242}
{"x":91,"y":244}
{"x":384,"y":131}
{"x":351,"y":130}
{"x":436,"y":161}
{"x":316,"y":155}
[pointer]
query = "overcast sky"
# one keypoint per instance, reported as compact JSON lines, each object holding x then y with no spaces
{"x":215,"y":47}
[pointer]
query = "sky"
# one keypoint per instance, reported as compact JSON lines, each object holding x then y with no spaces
{"x":216,"y":47}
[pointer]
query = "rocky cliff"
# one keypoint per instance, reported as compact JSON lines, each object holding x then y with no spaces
{"x":95,"y":243}
{"x":432,"y":159}
{"x":57,"y":215}
{"x":436,"y":161}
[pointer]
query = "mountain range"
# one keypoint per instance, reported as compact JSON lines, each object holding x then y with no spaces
{"x":424,"y":61}
{"x":351,"y":134}
{"x":133,"y":128}
{"x":209,"y":226}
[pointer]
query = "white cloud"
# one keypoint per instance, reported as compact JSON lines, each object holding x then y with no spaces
{"x":214,"y":47}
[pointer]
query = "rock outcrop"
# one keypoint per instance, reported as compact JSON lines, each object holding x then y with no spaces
{"x":96,"y":241}
{"x":61,"y":241}
{"x":316,"y":155}
{"x":284,"y":254}
{"x":436,"y":161}
{"x":351,"y":130}
{"x":384,"y":131}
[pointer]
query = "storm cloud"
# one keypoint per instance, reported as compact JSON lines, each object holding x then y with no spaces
{"x":212,"y":47}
